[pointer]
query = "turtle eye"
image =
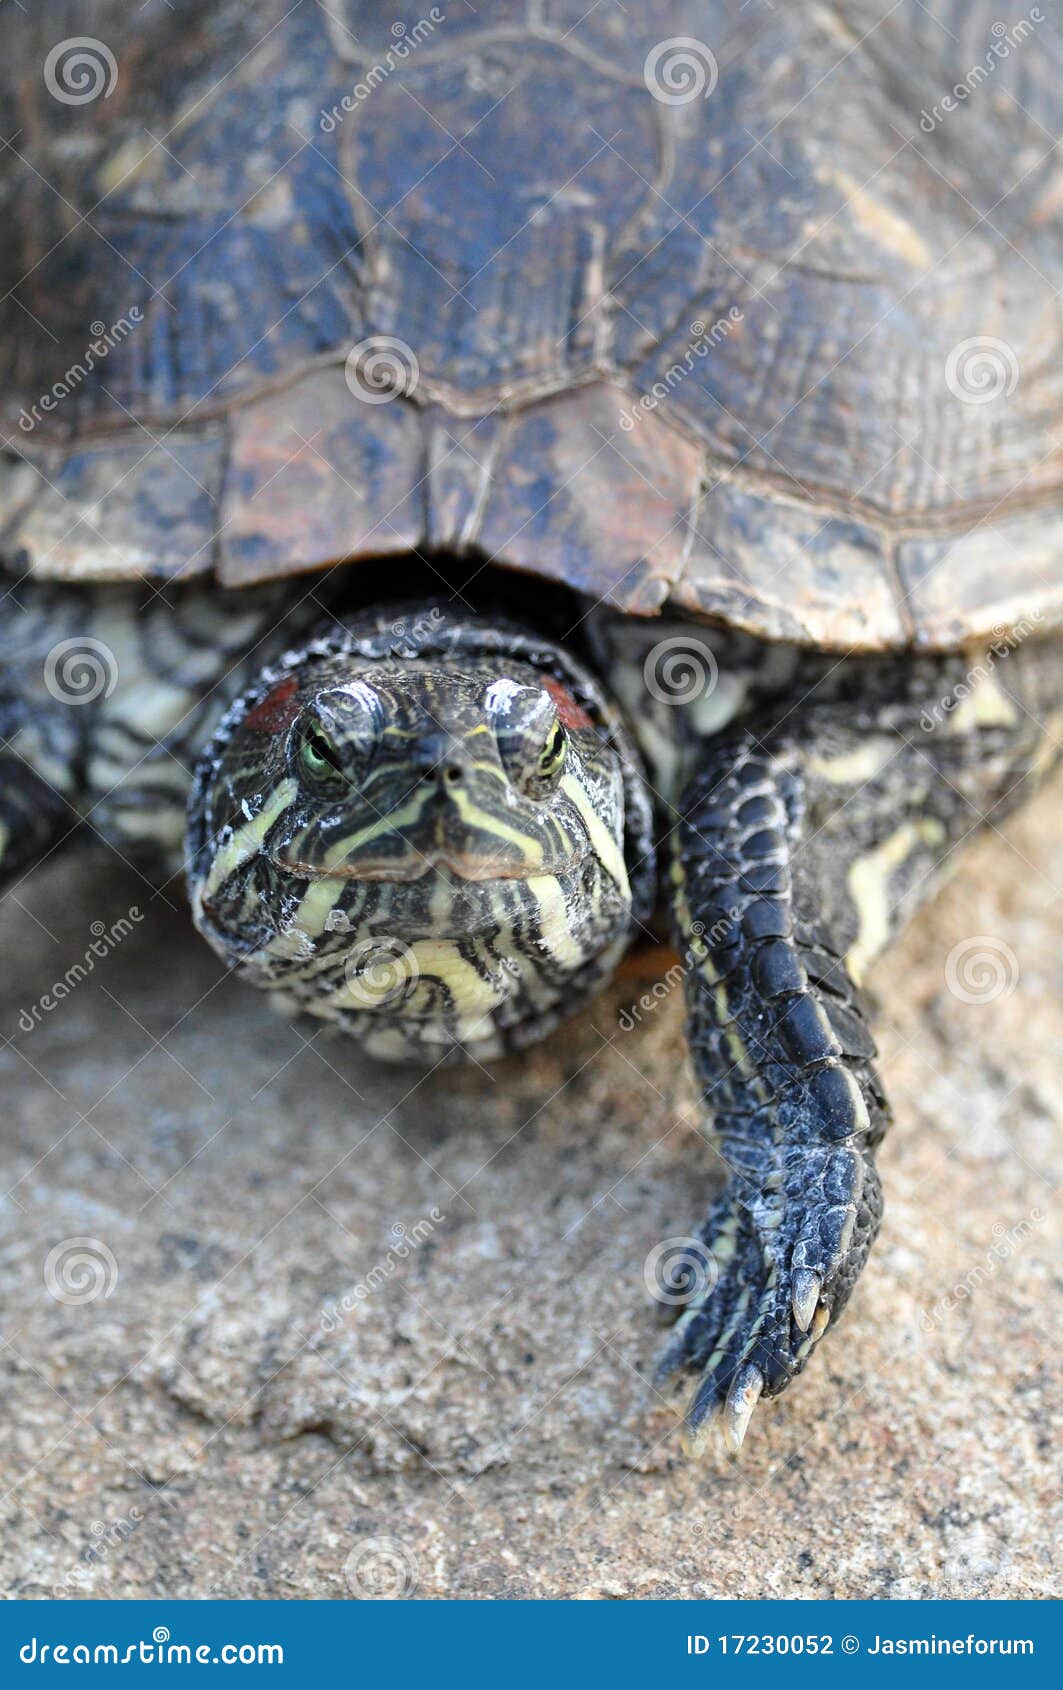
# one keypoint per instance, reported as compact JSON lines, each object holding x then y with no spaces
{"x":332,"y":743}
{"x":318,"y":755}
{"x":552,"y":755}
{"x":532,"y":741}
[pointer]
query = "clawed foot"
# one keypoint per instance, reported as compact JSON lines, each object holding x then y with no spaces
{"x":779,"y":1264}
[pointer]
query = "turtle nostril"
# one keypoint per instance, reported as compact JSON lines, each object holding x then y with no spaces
{"x":452,"y":774}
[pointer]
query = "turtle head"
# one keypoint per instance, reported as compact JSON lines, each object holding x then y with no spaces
{"x":421,"y":769}
{"x":428,"y":849}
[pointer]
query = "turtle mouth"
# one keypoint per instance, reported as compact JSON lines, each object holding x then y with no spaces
{"x":452,"y":865}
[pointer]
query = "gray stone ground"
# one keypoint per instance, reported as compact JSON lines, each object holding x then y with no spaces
{"x":476,"y":1421}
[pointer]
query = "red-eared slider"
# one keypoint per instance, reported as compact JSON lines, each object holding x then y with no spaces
{"x":692,"y":374}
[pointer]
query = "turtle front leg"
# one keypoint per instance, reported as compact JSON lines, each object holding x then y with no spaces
{"x":39,"y":755}
{"x":782,"y":1049}
{"x":799,"y":852}
{"x":33,"y":816}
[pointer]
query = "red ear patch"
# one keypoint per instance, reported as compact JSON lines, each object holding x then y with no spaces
{"x":571,"y":714}
{"x":276,"y":711}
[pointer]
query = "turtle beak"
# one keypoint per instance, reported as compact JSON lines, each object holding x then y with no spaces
{"x":443,"y":826}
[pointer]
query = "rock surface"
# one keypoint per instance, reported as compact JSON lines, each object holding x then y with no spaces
{"x":340,"y":1330}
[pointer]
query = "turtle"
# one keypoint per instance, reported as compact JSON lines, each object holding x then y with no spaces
{"x":470,"y":485}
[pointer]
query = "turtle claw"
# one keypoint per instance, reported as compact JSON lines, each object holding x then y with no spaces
{"x":733,"y":1413}
{"x":753,"y":1326}
{"x":742,"y":1399}
{"x":805,"y":1295}
{"x":739,"y":1335}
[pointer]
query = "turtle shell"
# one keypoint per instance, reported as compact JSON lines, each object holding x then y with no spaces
{"x":744,"y":309}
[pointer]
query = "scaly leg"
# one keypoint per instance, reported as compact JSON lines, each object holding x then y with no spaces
{"x":107,"y":693}
{"x":35,"y":802}
{"x":800,"y":851}
{"x":33,"y":816}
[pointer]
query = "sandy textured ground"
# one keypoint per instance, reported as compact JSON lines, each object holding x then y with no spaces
{"x":278,"y":1392}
